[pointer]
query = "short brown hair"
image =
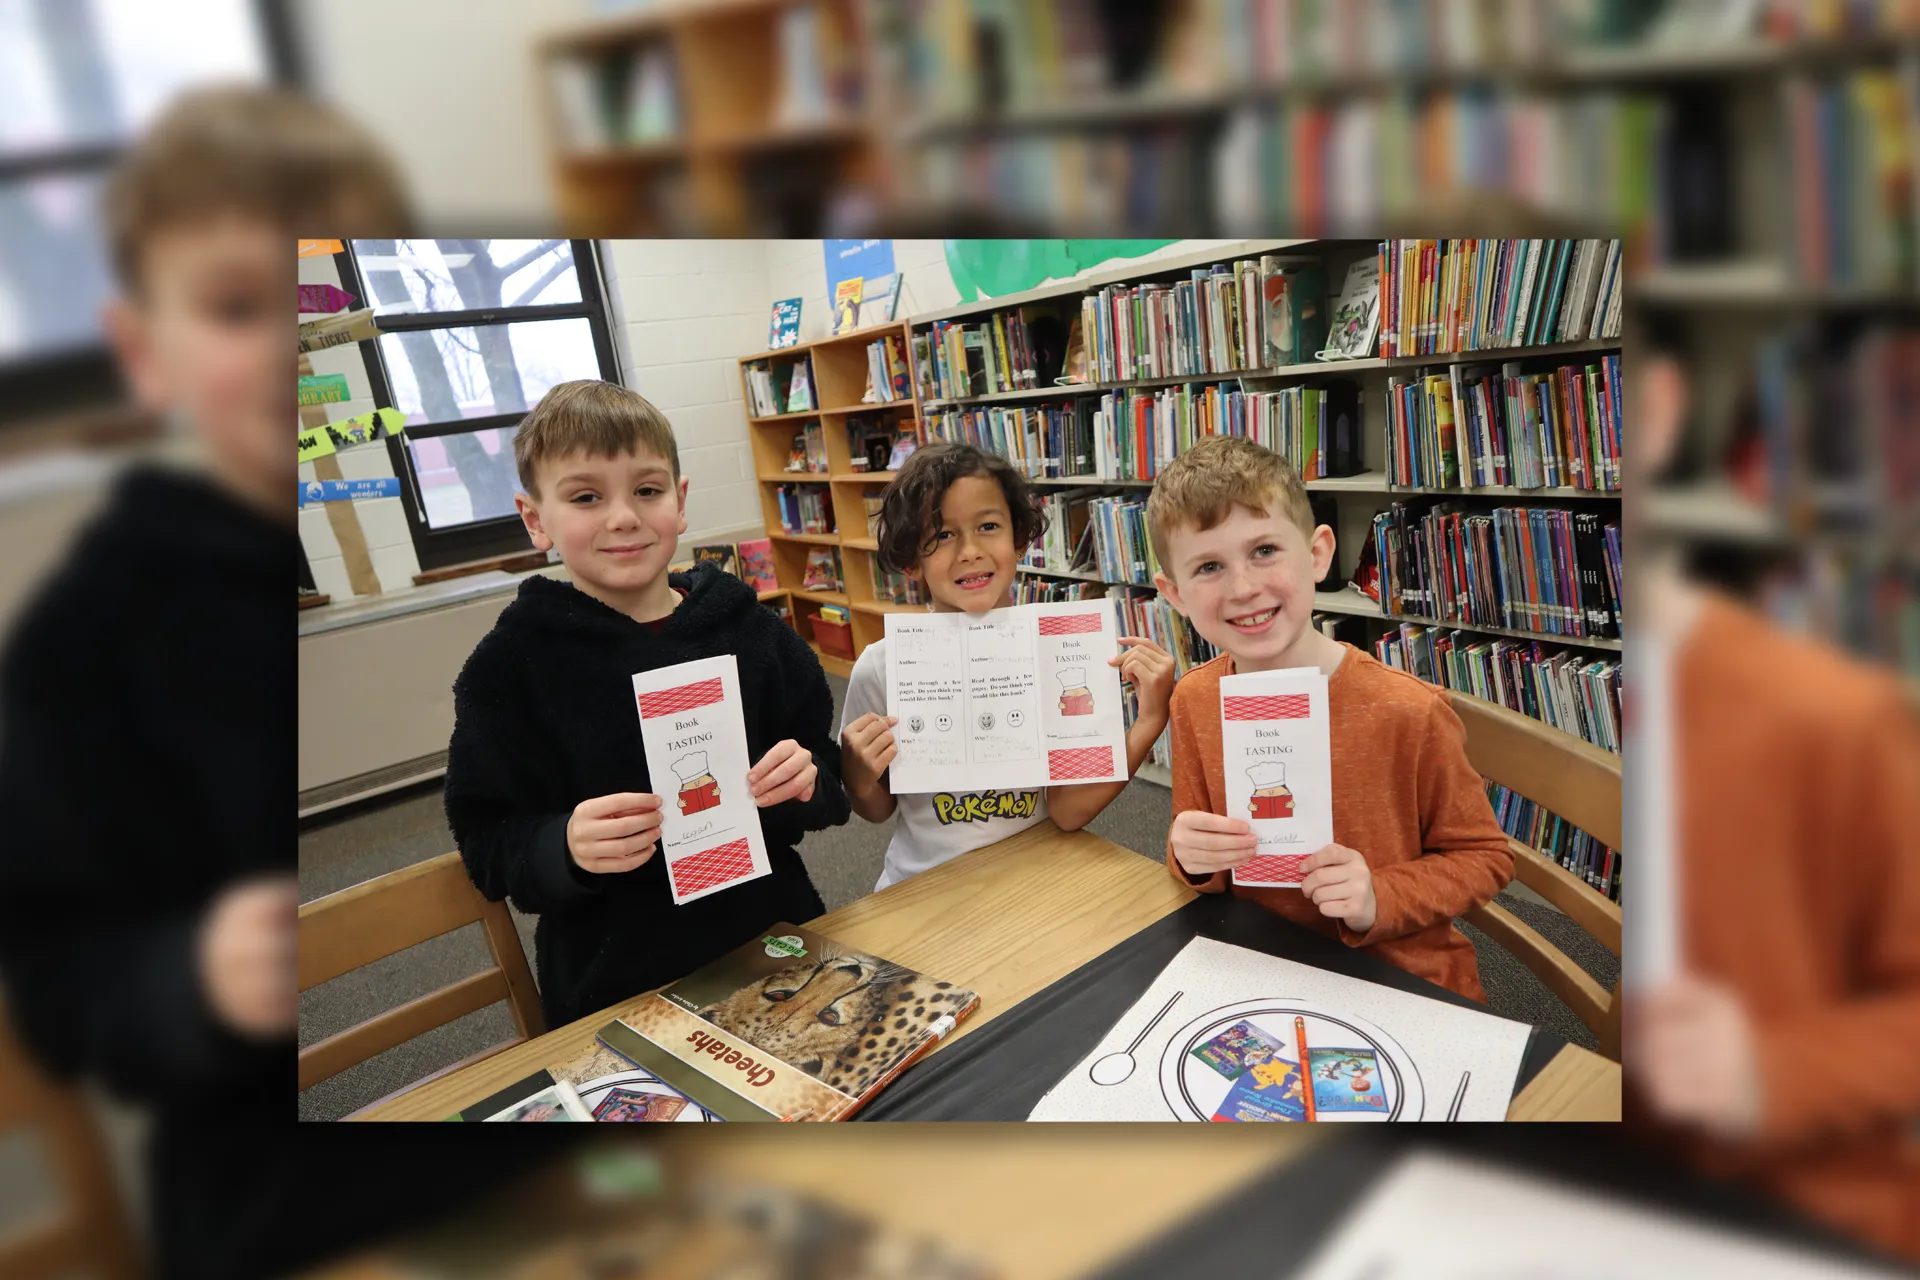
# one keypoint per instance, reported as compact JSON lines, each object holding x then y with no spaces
{"x":910,"y":508}
{"x":1203,"y":485}
{"x":266,"y":153}
{"x":600,"y":419}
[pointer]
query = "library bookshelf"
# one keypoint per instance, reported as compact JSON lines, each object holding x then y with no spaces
{"x":1354,"y":499}
{"x":839,"y":366}
{"x":729,"y":139}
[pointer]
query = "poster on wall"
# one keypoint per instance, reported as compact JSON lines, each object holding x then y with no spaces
{"x":856,"y":260}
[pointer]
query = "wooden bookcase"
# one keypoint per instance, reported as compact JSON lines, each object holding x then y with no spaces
{"x":1357,"y":497}
{"x":839,"y":380}
{"x":733,"y":168}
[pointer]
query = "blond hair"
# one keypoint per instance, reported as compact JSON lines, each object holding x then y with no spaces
{"x":1203,"y":485}
{"x":260,"y":153}
{"x":600,"y":419}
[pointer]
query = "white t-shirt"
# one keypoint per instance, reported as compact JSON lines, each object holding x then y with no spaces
{"x":931,"y":827}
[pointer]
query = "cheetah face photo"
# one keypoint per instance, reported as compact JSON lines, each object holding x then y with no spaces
{"x":841,"y":1016}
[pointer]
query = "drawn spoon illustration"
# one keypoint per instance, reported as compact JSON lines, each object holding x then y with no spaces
{"x":1117,"y":1066}
{"x":1459,"y":1096}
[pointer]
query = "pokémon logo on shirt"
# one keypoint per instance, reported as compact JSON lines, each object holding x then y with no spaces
{"x":983,"y":806}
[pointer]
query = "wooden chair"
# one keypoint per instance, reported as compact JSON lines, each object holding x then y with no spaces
{"x":376,"y":918}
{"x":88,"y":1233}
{"x":1581,"y":783}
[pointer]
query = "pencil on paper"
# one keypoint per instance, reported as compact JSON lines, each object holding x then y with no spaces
{"x":1306,"y":1068}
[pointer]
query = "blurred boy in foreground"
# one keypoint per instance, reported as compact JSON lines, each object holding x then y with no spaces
{"x":147,"y":897}
{"x":1773,"y":962}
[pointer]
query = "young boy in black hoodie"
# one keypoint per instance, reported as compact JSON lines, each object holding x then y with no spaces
{"x":547,"y":788}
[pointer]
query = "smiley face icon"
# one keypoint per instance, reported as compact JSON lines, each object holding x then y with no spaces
{"x":1016,"y":718}
{"x":916,"y":725}
{"x":943,"y":723}
{"x":986,"y":721}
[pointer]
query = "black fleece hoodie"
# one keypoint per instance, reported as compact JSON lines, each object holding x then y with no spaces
{"x":544,"y":717}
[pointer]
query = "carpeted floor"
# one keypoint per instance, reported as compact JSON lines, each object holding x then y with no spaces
{"x":348,"y":846}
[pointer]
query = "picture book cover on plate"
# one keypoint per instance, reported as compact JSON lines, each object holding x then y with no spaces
{"x":791,"y":1026}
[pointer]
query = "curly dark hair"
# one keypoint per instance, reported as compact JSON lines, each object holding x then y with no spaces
{"x":910,"y":510}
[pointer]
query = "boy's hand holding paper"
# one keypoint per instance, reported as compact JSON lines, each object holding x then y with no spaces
{"x":1278,"y":770}
{"x":1204,"y":842}
{"x":784,"y":773}
{"x":1340,"y":883}
{"x":609,"y":834}
{"x":696,"y":742}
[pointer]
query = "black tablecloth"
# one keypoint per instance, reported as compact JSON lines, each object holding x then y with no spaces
{"x":1002,"y":1070}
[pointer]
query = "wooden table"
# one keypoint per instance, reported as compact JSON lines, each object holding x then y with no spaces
{"x":1006,"y":921}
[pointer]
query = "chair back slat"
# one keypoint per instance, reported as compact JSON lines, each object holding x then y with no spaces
{"x":1581,"y":783}
{"x":377,"y":918}
{"x":1552,"y":768}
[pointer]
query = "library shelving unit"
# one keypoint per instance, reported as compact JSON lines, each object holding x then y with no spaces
{"x":839,"y":366}
{"x":731,"y":162}
{"x":1357,"y":497}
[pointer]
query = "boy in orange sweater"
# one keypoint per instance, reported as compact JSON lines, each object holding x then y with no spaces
{"x":1416,"y":843}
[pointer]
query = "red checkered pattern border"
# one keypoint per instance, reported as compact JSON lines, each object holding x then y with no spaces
{"x":1069,"y":624}
{"x":710,"y":867}
{"x":1273,"y":866}
{"x":1079,"y":762}
{"x":1283,"y":706}
{"x":665,"y":702}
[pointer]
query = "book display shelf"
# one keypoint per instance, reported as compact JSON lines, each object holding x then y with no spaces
{"x":839,"y":371}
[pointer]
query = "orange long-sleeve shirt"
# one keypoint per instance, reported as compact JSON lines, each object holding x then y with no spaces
{"x":1404,"y":796}
{"x":1798,"y":821}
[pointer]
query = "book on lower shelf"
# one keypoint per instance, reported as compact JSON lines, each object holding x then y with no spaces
{"x":822,"y":572}
{"x":778,"y":386}
{"x":804,"y":508}
{"x":807,"y":455}
{"x":1498,"y":425}
{"x":1538,"y":569}
{"x":1575,"y":693}
{"x":897,"y":588}
{"x":1443,"y":296}
{"x":791,"y":1026}
{"x":756,"y":564}
{"x":1559,"y":840}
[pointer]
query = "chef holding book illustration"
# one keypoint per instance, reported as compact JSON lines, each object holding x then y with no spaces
{"x":1271,"y":798}
{"x":1075,"y":698}
{"x":698,"y":788}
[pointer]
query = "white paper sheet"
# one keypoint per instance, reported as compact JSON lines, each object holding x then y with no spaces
{"x":696,"y":741}
{"x":1273,"y":737}
{"x":1441,"y":1217}
{"x":1405,"y":1057}
{"x":1018,"y":697}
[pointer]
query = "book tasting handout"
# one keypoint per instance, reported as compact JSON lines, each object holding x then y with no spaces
{"x":1279,"y":774}
{"x":696,"y":743}
{"x":1019,"y":697}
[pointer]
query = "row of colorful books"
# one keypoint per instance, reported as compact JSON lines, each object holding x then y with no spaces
{"x":1050,"y":441}
{"x":1855,"y":221}
{"x":1122,"y":552}
{"x":1539,"y":569}
{"x":1442,"y":296}
{"x":1574,"y":693}
{"x":779,"y":386}
{"x":627,"y":98}
{"x":895,"y":588}
{"x":888,"y":375}
{"x":1225,"y":318}
{"x":808,"y":454}
{"x":1060,"y":53}
{"x":1032,"y":588}
{"x":1526,"y":821}
{"x":995,"y":355}
{"x":751,"y":561}
{"x":1478,"y":425}
{"x":804,"y":508}
{"x":1139,"y":433}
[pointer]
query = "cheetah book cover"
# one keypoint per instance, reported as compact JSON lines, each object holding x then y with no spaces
{"x":791,"y":1026}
